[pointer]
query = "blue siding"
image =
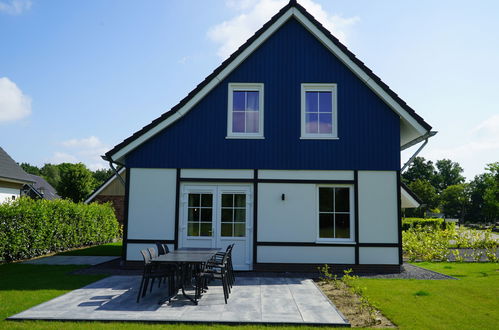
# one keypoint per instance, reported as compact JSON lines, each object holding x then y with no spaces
{"x":368,"y":130}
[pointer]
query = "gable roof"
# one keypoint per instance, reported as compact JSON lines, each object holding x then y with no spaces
{"x":410,"y":121}
{"x":43,"y":188}
{"x":10,"y":171}
{"x":103,"y":186}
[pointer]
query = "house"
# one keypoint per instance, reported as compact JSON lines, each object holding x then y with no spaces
{"x":112,"y":190}
{"x":12,"y":178}
{"x":40,"y":188}
{"x":290,"y":149}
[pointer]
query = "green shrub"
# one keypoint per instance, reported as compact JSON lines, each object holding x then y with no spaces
{"x":436,"y":223}
{"x":30,"y":228}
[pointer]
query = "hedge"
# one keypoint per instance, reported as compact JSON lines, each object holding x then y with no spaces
{"x":436,"y":223}
{"x":30,"y":228}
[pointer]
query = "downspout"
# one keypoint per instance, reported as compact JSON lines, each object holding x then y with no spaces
{"x":413,"y":142}
{"x":110,"y":160}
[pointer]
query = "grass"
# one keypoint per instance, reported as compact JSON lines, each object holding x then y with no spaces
{"x":467,"y":303}
{"x":109,"y":249}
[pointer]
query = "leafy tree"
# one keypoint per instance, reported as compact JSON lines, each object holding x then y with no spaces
{"x":491,"y":193}
{"x":477,"y":187}
{"x":31,"y":169}
{"x":419,"y":169}
{"x":50,"y":172}
{"x":426,"y":192}
{"x":76,"y":182}
{"x":102,"y":175}
{"x":455,"y":199}
{"x":449,"y":173}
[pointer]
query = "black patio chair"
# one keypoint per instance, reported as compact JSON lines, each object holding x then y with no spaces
{"x":217,"y":261}
{"x":151,"y":273}
{"x":162,"y":248}
{"x":210,"y":271}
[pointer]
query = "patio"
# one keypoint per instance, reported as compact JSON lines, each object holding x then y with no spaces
{"x":253,"y":300}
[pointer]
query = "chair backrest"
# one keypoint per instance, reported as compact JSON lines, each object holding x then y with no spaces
{"x":152,"y":252}
{"x":229,"y":249}
{"x":167,"y":249}
{"x":162,"y":248}
{"x":146,"y":256}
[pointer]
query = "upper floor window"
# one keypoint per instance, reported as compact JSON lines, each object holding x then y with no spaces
{"x":245,"y":111}
{"x":319,"y":111}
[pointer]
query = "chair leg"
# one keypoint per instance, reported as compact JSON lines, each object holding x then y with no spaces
{"x":224,"y":284}
{"x":140,"y":289}
{"x":144,"y":289}
{"x":152,"y":284}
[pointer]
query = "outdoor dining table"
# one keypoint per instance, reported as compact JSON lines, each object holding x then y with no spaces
{"x":184,"y":258}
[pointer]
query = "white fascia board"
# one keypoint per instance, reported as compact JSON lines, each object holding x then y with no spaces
{"x":250,"y":49}
{"x":413,"y":203}
{"x":101,"y":188}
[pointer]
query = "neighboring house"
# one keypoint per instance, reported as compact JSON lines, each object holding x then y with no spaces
{"x":290,"y":149}
{"x":112,"y":190}
{"x":12,"y":178}
{"x":40,"y":188}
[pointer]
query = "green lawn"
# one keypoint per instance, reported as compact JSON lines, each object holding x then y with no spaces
{"x":468,"y":303}
{"x":109,"y":249}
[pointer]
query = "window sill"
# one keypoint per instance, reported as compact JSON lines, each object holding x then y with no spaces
{"x":245,"y":137}
{"x":319,"y":138}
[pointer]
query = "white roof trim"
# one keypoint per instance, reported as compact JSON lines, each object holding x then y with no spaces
{"x":410,"y":200}
{"x":101,"y":188}
{"x":250,"y":49}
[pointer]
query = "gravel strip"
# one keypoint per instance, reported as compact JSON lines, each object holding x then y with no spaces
{"x":410,"y":271}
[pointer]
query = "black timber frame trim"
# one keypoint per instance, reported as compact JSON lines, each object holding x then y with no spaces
{"x":177,"y":206}
{"x":256,"y":180}
{"x":399,"y":218}
{"x":355,"y":245}
{"x":125,"y":220}
{"x":356,"y":215}
{"x":255,"y":215}
{"x":152,"y":241}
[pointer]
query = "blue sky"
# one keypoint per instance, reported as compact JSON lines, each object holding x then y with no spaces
{"x":78,"y":77}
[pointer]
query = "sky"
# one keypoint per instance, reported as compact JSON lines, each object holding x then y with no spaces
{"x":78,"y":77}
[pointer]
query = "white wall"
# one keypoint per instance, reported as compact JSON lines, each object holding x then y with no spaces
{"x":306,"y":254}
{"x":378,"y":212}
{"x":151,"y":209}
{"x":7,"y":193}
{"x":379,"y":255}
{"x":292,"y":220}
{"x":305,"y":175}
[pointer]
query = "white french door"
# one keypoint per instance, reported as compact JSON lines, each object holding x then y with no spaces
{"x":217,"y":216}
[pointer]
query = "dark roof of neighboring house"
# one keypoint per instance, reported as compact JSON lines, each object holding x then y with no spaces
{"x":10,"y":170}
{"x":292,"y":3}
{"x":43,"y":187}
{"x":410,"y":192}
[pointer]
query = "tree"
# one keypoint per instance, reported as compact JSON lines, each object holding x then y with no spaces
{"x":426,"y":192}
{"x":449,"y":173}
{"x":419,"y":169}
{"x":491,"y":193}
{"x":51,"y":173}
{"x":31,"y":169}
{"x":455,"y":199}
{"x":477,"y":187}
{"x":76,"y":182}
{"x":102,"y":175}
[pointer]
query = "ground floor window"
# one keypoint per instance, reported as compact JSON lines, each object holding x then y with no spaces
{"x":335,"y":213}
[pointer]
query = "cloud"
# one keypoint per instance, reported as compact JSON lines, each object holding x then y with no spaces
{"x":15,"y":7}
{"x":86,"y":150}
{"x":254,"y":13}
{"x":14,"y":105}
{"x":474,"y":149}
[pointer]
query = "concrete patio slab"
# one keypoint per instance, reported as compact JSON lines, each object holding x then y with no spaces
{"x":253,"y":300}
{"x":70,"y":260}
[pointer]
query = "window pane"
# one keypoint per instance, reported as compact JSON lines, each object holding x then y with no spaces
{"x":240,"y":200}
{"x":238,"y":102}
{"x":227,"y":215}
{"x":252,"y":101}
{"x":311,"y":123}
{"x":193,"y":229}
{"x":326,"y":226}
{"x":342,"y":200}
{"x":205,"y":229}
{"x":325,"y":199}
{"x":311,"y":102}
{"x":325,"y":102}
{"x":342,"y":223}
{"x":226,"y":229}
{"x":238,"y":122}
{"x":207,"y":200}
{"x":206,"y":214}
{"x":252,"y":122}
{"x":240,"y":215}
{"x":193,"y":214}
{"x":227,"y":200}
{"x":239,"y":230}
{"x":193,"y":199}
{"x":325,"y":123}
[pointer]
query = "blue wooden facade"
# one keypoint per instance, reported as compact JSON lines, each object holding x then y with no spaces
{"x":368,"y":130}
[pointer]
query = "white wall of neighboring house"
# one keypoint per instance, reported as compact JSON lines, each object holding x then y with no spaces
{"x":6,"y":194}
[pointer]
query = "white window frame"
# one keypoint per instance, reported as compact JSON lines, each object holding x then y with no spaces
{"x":233,"y":87}
{"x":320,"y":88}
{"x":351,"y":239}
